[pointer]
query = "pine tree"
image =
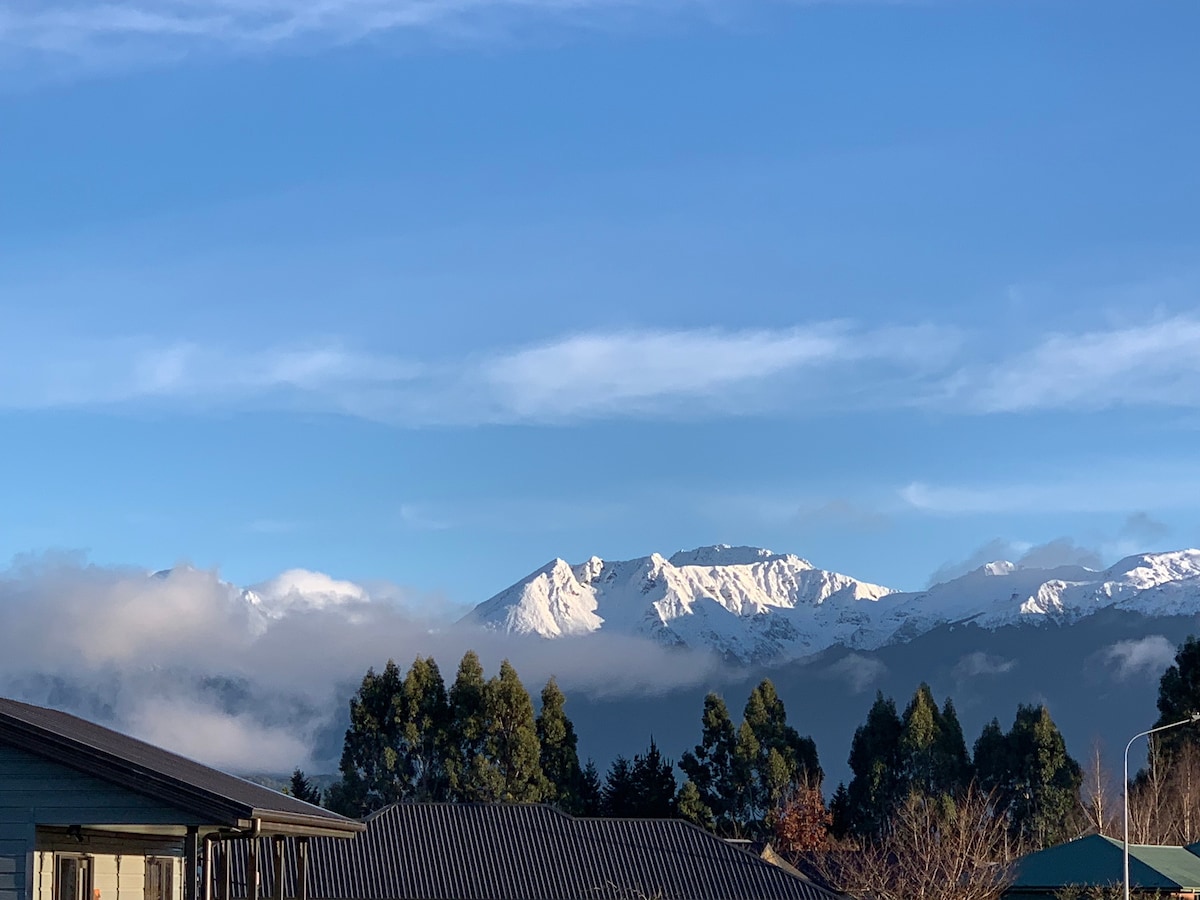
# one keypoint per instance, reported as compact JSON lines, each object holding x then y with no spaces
{"x":991,"y":758}
{"x":617,"y":798}
{"x":878,"y":785}
{"x":840,"y":812}
{"x":513,"y":771}
{"x":1178,"y":698}
{"x":782,"y":762}
{"x":919,"y":735}
{"x":691,"y":806}
{"x":423,"y":717}
{"x":466,"y":731}
{"x":710,"y":767}
{"x":653,"y":779}
{"x":590,"y":791}
{"x":371,"y":767}
{"x":1044,"y":782}
{"x":559,"y":753}
{"x":953,"y":763}
{"x":303,"y":789}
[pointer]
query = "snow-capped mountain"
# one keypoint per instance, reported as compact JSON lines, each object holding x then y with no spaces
{"x":752,"y":605}
{"x":296,"y":590}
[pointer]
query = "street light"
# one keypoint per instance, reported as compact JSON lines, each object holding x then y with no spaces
{"x":1194,"y":717}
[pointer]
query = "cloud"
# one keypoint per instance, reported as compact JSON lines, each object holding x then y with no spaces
{"x":122,"y":32}
{"x":600,"y":375}
{"x":649,"y":373}
{"x":1146,"y":484}
{"x":1148,"y":656}
{"x":182,"y":659}
{"x":980,"y":663}
{"x":857,"y":671}
{"x":1153,"y":364}
{"x":1061,"y":551}
{"x":1141,"y":527}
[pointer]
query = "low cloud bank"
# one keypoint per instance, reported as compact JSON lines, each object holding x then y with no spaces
{"x":1149,"y":656}
{"x":189,"y":662}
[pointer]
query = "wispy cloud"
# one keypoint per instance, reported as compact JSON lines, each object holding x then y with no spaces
{"x":681,"y":373}
{"x":677,"y":374}
{"x":124,"y":32}
{"x":1149,"y":364}
{"x":1148,"y":656}
{"x":1159,"y":485}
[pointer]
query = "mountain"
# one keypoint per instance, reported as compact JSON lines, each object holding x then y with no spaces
{"x":751,"y":605}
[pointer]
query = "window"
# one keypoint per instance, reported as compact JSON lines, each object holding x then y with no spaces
{"x":72,"y":878}
{"x":158,"y":878}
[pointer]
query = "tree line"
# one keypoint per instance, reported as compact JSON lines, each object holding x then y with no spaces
{"x":922,"y":806}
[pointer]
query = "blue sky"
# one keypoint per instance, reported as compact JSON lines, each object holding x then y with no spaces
{"x":432,"y":292}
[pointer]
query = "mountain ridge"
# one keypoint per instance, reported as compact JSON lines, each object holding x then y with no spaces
{"x":752,"y":605}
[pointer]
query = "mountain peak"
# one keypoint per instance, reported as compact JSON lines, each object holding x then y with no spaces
{"x":724,"y":555}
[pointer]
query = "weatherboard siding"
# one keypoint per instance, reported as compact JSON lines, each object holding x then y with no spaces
{"x":16,"y":860}
{"x":36,"y":790}
{"x":116,"y":876}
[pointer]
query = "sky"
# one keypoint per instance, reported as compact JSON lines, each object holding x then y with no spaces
{"x":430,"y":292}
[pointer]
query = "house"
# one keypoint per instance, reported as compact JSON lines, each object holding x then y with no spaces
{"x":87,"y":813}
{"x":1098,"y":861}
{"x":432,"y":851}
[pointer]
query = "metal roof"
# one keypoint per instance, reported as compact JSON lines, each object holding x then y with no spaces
{"x":527,"y":852}
{"x":219,"y":799}
{"x":1099,"y":860}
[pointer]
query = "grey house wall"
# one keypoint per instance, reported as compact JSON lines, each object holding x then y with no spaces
{"x":35,"y":791}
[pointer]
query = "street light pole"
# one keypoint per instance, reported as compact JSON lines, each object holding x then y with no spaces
{"x":1194,"y":717}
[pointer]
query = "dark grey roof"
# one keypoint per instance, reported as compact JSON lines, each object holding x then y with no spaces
{"x":218,"y":798}
{"x":527,"y":852}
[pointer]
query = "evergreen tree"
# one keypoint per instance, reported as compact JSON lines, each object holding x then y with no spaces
{"x":466,"y":732}
{"x":991,"y":760}
{"x":1035,"y":781}
{"x":617,"y":798}
{"x":424,"y":717}
{"x":512,"y":772}
{"x":710,"y":767}
{"x":590,"y":791}
{"x":653,"y":779}
{"x":559,"y":753}
{"x":691,"y":806}
{"x":878,"y":784}
{"x":918,"y":740}
{"x":303,"y":789}
{"x":776,"y":762}
{"x":933,"y":754}
{"x":841,"y":813}
{"x":1178,"y":698}
{"x":1044,"y":781}
{"x":749,"y":800}
{"x":953,"y":763}
{"x":371,"y":765}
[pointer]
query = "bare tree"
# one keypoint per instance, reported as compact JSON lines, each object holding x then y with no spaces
{"x":1100,"y":809}
{"x":936,"y":849}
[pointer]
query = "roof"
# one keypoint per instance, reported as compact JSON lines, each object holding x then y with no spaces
{"x":213,"y":796}
{"x":1099,"y":860}
{"x":431,"y":851}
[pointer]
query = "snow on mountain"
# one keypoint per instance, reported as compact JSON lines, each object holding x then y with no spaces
{"x":744,"y":603}
{"x":298,"y":589}
{"x":752,"y":605}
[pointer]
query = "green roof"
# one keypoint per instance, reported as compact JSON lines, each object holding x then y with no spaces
{"x":1097,"y":861}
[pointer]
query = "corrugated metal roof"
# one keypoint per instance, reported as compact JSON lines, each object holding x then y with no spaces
{"x":1099,"y":860}
{"x":526,"y":852}
{"x":154,"y":772}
